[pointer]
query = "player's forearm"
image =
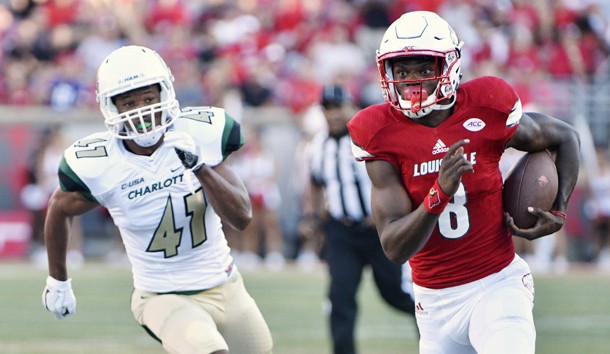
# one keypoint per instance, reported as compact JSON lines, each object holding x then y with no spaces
{"x":567,"y":161}
{"x":402,"y":238}
{"x":228,"y":197}
{"x":56,"y":239}
{"x":313,"y":200}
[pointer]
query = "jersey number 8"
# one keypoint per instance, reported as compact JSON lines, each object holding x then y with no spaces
{"x":454,"y":221}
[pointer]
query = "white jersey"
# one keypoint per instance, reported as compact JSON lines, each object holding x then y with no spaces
{"x":173,"y":237}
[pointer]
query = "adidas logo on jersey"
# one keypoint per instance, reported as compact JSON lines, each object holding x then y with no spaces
{"x":439,"y":147}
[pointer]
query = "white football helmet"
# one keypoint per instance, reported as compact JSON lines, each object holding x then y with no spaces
{"x":126,"y":69}
{"x":420,"y":33}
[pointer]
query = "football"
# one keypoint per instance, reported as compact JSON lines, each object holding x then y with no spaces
{"x":532,"y":181}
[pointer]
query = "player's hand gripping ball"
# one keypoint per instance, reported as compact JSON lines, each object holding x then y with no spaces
{"x":531,"y":182}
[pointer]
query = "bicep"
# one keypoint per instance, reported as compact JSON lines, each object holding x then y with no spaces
{"x":227,"y":172}
{"x":389,"y":198}
{"x":537,"y":132}
{"x":69,"y":203}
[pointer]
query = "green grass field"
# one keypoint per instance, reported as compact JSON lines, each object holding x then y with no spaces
{"x":572,"y":314}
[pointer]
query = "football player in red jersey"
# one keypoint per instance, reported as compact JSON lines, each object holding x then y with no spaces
{"x":432,"y":152}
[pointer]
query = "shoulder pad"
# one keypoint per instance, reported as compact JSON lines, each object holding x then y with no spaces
{"x":217,"y":134}
{"x":491,"y":92}
{"x":85,"y":160}
{"x":201,"y":113}
{"x":495,"y":93}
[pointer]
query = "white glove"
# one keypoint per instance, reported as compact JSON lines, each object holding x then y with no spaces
{"x":58,"y":297}
{"x":186,"y":148}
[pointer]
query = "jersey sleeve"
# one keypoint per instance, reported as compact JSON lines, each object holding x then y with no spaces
{"x":363,"y":128}
{"x":497,"y":93}
{"x":84,"y":162}
{"x":70,"y":182}
{"x":217,"y":133}
{"x":360,"y":138}
{"x":315,"y":157}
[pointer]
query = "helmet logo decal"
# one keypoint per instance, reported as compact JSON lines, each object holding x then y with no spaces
{"x":130,"y":78}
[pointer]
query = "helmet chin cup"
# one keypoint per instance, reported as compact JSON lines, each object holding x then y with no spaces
{"x":417,"y":96}
{"x":415,"y":110}
{"x":150,"y":139}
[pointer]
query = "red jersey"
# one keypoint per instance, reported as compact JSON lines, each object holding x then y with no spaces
{"x":470,"y":240}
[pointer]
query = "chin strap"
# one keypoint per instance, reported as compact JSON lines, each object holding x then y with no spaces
{"x":416,"y":96}
{"x":422,"y":112}
{"x":441,"y":107}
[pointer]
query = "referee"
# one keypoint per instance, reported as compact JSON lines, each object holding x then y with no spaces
{"x":338,"y":202}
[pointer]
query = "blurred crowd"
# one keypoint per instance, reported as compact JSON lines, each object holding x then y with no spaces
{"x":281,"y":52}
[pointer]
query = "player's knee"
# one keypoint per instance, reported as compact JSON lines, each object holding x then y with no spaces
{"x":509,"y":340}
{"x":196,"y":337}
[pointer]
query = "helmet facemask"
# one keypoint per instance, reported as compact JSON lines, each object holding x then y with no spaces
{"x":144,"y":125}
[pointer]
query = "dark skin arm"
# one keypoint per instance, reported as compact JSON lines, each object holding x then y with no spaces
{"x":63,"y":206}
{"x":227,"y":194}
{"x":538,"y":132}
{"x":313,"y":210}
{"x":403,"y":231}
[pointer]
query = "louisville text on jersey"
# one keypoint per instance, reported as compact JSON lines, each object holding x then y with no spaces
{"x":433,"y":166}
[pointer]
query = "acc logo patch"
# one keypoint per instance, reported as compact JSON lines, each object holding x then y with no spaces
{"x":474,"y":124}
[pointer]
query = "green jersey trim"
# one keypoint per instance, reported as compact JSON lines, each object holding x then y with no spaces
{"x":70,"y":182}
{"x":232,"y":137}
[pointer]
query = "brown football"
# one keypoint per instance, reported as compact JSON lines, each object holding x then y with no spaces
{"x":532,"y":181}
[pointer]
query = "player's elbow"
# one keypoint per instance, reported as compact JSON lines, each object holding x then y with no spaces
{"x":241,"y":220}
{"x":574,"y":137}
{"x":568,"y":136}
{"x":393,"y":253}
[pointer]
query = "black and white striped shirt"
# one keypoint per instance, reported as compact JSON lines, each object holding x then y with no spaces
{"x":346,"y":184}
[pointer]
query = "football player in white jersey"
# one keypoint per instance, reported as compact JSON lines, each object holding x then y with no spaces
{"x":161,"y":173}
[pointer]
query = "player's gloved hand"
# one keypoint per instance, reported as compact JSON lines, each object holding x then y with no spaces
{"x":58,"y":297}
{"x":186,"y":148}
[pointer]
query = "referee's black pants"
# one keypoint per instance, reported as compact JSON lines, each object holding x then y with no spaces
{"x":349,"y":248}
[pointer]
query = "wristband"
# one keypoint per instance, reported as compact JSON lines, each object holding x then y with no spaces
{"x":196,"y":169}
{"x":561,"y":214}
{"x":436,"y":200}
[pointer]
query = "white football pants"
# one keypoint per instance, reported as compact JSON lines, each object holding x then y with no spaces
{"x":493,"y":315}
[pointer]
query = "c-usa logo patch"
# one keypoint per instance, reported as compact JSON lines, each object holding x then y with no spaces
{"x":474,"y":124}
